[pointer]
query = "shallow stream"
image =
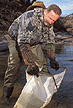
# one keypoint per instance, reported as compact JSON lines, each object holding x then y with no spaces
{"x":64,"y":97}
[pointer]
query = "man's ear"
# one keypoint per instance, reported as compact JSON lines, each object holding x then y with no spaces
{"x":45,"y":11}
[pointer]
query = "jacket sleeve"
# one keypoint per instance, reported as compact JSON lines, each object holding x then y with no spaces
{"x":27,"y":54}
{"x":51,"y":47}
{"x":13,"y":29}
{"x":51,"y":34}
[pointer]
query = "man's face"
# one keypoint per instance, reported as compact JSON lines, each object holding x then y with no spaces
{"x":50,"y":17}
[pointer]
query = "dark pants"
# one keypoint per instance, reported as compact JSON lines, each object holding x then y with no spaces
{"x":13,"y":63}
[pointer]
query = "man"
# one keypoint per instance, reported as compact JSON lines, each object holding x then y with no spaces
{"x":14,"y":58}
{"x":34,"y":28}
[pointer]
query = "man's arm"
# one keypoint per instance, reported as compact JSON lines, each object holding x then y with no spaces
{"x":13,"y":29}
{"x":27,"y":55}
{"x":51,"y":49}
{"x":19,"y":31}
{"x":51,"y":34}
{"x":51,"y":55}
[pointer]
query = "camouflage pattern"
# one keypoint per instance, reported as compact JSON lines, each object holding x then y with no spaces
{"x":30,"y":28}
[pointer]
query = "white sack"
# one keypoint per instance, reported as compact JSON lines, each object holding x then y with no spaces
{"x":38,"y":92}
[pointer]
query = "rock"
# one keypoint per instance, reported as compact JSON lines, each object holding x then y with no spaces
{"x":63,"y":37}
{"x":10,"y":10}
{"x":64,"y":24}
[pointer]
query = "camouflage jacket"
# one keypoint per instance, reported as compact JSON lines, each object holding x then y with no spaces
{"x":29,"y":28}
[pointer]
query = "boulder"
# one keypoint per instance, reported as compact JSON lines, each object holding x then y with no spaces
{"x":64,"y":24}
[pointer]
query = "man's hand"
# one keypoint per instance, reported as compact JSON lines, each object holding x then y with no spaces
{"x":33,"y":70}
{"x":28,"y":58}
{"x":54,"y":64}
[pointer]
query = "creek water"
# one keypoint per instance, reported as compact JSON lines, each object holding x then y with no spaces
{"x":64,"y":97}
{"x":61,"y":99}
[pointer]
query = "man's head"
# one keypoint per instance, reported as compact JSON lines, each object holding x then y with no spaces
{"x":51,"y":14}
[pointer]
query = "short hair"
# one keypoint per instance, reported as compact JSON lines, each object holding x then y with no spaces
{"x":55,"y":8}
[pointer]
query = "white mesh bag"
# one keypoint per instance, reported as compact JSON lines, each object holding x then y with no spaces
{"x":38,"y":92}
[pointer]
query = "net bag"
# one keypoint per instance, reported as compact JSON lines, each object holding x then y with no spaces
{"x":38,"y":92}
